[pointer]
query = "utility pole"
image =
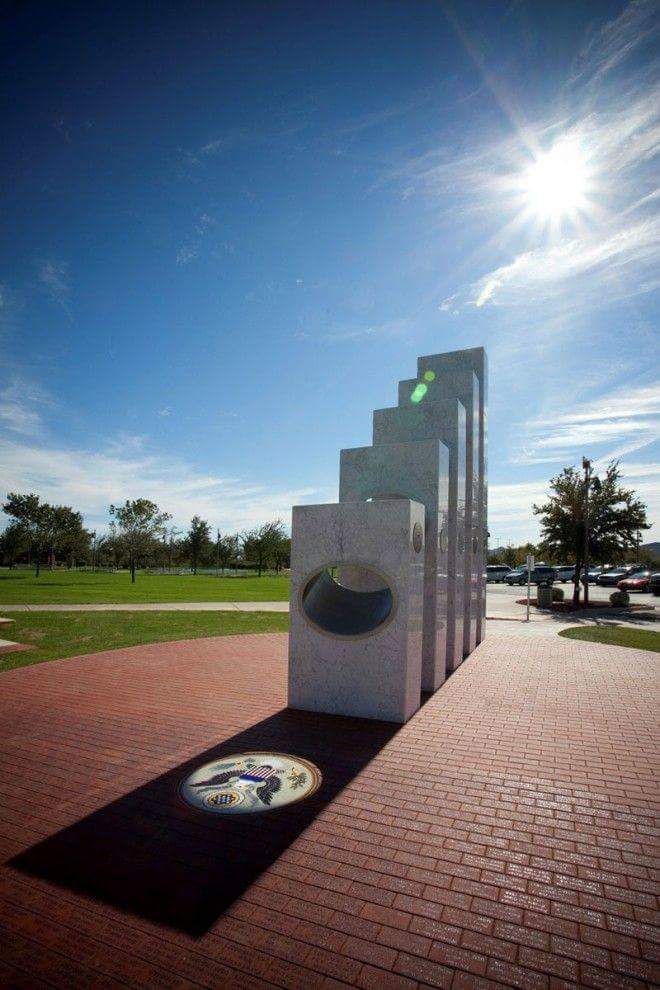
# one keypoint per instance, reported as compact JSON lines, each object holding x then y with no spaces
{"x":587,"y":470}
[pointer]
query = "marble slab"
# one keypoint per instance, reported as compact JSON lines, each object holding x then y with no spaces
{"x":355,"y":646}
{"x":444,"y":420}
{"x":418,"y":471}
{"x":466,"y":372}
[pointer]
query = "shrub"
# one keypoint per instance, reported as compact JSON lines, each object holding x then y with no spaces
{"x":619,"y":598}
{"x":557,"y":594}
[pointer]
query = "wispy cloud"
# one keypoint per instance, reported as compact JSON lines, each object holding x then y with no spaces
{"x":623,"y":420}
{"x":21,"y":405}
{"x":354,"y":331}
{"x":616,"y":40}
{"x":55,"y":279}
{"x":621,"y":265}
{"x":92,"y":479}
{"x":191,"y":249}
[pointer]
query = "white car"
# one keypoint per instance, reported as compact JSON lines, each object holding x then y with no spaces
{"x":565,"y":573}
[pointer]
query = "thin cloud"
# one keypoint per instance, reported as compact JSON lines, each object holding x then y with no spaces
{"x":92,"y":479}
{"x":55,"y":279}
{"x":628,"y":417}
{"x":351,"y":332}
{"x":192,"y":248}
{"x":21,"y":404}
{"x":616,"y":41}
{"x":620,"y":263}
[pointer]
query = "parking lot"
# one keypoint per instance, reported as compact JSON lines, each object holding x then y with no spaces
{"x":501,"y":598}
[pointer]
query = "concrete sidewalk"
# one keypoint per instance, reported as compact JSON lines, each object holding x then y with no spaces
{"x":154,"y":607}
{"x":500,"y":622}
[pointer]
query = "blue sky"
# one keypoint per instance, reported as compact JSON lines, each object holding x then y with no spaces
{"x":229,"y":230}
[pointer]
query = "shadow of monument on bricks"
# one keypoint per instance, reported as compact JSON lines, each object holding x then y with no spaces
{"x":152,"y":855}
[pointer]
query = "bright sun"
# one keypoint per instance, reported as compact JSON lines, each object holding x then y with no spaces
{"x":556,"y":184}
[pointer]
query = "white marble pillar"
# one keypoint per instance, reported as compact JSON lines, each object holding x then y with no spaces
{"x":443,"y":420}
{"x":355,"y":646}
{"x":466,"y":372}
{"x":419,"y":471}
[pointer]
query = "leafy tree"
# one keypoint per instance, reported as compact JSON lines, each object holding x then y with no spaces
{"x":512,"y":556}
{"x":137,"y":524}
{"x":48,"y":527}
{"x":198,"y":540}
{"x":13,"y":542}
{"x":227,"y":549}
{"x":616,"y":516}
{"x":260,"y":545}
{"x":170,"y":543}
{"x":67,"y":534}
{"x":282,"y":553}
{"x":96,"y":544}
{"x":29,"y":513}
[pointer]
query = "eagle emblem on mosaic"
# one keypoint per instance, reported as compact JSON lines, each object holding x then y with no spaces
{"x":249,"y":782}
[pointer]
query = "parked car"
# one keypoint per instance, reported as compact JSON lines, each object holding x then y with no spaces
{"x":654,"y":583}
{"x":541,"y":574}
{"x":611,"y":578}
{"x":565,"y":573}
{"x":496,"y":573}
{"x":594,"y":572}
{"x":636,"y":582}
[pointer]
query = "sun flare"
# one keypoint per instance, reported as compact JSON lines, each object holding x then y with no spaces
{"x":556,"y":184}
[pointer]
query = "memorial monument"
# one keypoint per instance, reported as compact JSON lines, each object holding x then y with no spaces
{"x":388,"y":586}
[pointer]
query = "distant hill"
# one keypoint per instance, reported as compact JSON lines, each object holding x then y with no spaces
{"x":652,"y":548}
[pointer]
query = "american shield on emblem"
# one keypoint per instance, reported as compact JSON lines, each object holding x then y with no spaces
{"x":250,"y":782}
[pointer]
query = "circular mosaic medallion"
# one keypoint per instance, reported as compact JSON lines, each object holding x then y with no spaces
{"x":247,"y":782}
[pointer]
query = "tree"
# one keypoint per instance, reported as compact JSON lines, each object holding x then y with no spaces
{"x":615,"y":517}
{"x":260,"y":545}
{"x":13,"y":542}
{"x":36,"y":518}
{"x":198,"y":540}
{"x":170,"y":542}
{"x":137,"y":524}
{"x":67,"y":534}
{"x":282,"y":552}
{"x":512,"y":556}
{"x":226,"y":549}
{"x":96,"y":544}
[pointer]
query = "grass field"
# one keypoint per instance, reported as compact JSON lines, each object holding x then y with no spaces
{"x":54,"y":635}
{"x":639,"y":639}
{"x":79,"y":588}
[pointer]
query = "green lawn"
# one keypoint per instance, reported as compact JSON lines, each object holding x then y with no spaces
{"x":639,"y":639}
{"x":78,"y":588}
{"x":66,"y":634}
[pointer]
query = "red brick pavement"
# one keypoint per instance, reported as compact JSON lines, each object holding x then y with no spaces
{"x":504,"y":836}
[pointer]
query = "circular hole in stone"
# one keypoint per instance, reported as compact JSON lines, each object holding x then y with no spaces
{"x":347,"y":599}
{"x":245,"y":783}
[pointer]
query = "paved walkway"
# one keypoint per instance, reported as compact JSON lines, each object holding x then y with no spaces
{"x":504,"y":836}
{"x":154,"y":607}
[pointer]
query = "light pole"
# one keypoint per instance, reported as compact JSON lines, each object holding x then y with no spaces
{"x":587,"y":469}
